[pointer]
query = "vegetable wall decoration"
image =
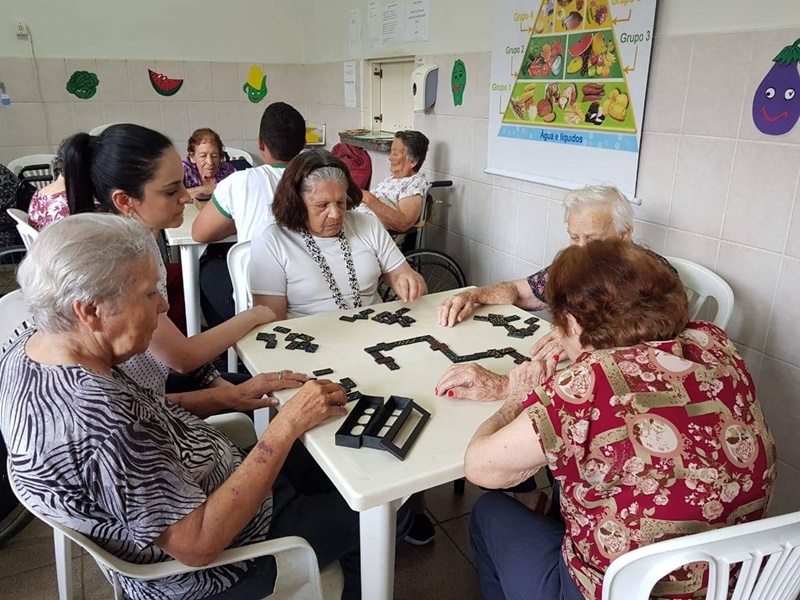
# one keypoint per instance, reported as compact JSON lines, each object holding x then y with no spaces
{"x":83,"y":84}
{"x":458,"y":81}
{"x":776,"y":103}
{"x":256,"y":85}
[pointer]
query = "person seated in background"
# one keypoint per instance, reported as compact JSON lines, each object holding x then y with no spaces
{"x":49,"y":204}
{"x":241,"y":205}
{"x":91,"y":448}
{"x":14,"y":193}
{"x":300,"y":263}
{"x":204,"y":166}
{"x":654,"y":431}
{"x":135,"y":172}
{"x":397,"y":200}
{"x":595,"y":212}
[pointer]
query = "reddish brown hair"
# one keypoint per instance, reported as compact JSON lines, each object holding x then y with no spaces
{"x":618,"y":292}
{"x":204,"y":135}
{"x":288,"y":206}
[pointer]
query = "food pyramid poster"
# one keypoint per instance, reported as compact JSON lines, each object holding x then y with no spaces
{"x":569,"y":73}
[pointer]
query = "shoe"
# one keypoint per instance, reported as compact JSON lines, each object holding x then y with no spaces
{"x":422,"y":531}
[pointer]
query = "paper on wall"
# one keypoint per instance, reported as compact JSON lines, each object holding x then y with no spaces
{"x":374,"y":24}
{"x":350,"y":84}
{"x":391,"y":23}
{"x":354,"y":32}
{"x":417,"y":21}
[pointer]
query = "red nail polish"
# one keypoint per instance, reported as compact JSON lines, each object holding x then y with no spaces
{"x":450,"y":393}
{"x":555,"y":357}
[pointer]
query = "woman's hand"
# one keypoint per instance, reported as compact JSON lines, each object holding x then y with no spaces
{"x":368,"y":198}
{"x":409,"y":286}
{"x":259,"y":315}
{"x":456,"y":308}
{"x":472,"y":382}
{"x":202,"y":192}
{"x":315,"y":402}
{"x":525,"y":378}
{"x":547,"y":346}
{"x":250,"y":395}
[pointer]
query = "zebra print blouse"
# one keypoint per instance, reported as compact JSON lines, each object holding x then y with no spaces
{"x":111,"y":460}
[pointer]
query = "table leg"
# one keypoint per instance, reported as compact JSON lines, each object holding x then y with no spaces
{"x":190,"y":271}
{"x":378,"y":530}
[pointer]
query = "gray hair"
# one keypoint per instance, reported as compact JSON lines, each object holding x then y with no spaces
{"x":322,"y":174}
{"x":608,"y":195}
{"x":81,"y":258}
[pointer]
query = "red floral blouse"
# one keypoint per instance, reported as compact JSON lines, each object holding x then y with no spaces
{"x":652,"y":442}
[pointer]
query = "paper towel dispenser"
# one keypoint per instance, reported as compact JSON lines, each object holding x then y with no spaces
{"x":424,"y":81}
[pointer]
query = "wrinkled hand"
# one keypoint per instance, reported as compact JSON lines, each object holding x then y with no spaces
{"x":261,"y":315}
{"x":315,"y":402}
{"x":525,"y":378}
{"x":203,"y":192}
{"x":250,"y":395}
{"x":456,"y":308}
{"x":472,"y":382}
{"x":410,"y":286}
{"x":368,"y":197}
{"x":547,"y":346}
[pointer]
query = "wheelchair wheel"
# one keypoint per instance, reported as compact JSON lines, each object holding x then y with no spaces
{"x":9,"y":261}
{"x":440,"y":272}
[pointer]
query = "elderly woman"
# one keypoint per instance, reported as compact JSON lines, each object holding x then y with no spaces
{"x":397,"y":200}
{"x":320,"y":255}
{"x":204,"y":166}
{"x":136,"y":172}
{"x":146,"y":480}
{"x":653,"y":432}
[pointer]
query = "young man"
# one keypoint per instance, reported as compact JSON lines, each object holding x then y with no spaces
{"x":241,"y":204}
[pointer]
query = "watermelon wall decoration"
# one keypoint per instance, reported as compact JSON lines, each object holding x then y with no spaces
{"x":163,"y":85}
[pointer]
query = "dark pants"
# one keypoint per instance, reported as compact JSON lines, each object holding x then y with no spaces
{"x":306,"y":503}
{"x":518,"y":552}
{"x":216,"y":289}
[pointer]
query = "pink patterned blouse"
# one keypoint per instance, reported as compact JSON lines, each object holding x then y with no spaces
{"x":45,"y":209}
{"x":652,"y":442}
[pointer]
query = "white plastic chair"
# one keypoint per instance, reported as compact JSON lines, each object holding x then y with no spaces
{"x":39,"y":176}
{"x":26,"y":232}
{"x":768,"y":552}
{"x":13,"y":312}
{"x":235,"y":153}
{"x":701,"y":284}
{"x":101,"y":128}
{"x":298,"y":573}
{"x":238,"y":267}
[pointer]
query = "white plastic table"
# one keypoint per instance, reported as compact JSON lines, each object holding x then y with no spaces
{"x":374,"y":482}
{"x":191,"y":251}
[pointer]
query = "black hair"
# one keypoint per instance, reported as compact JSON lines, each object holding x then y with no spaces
{"x":416,"y":144}
{"x":124,"y":157}
{"x":283,"y":131}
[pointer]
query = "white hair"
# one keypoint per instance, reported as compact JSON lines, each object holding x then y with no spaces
{"x":327,"y":173}
{"x":598,"y":195}
{"x":81,"y":258}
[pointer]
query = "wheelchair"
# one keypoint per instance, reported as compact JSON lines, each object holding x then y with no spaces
{"x":440,"y":271}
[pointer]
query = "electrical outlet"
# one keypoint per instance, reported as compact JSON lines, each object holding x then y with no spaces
{"x":22,"y":28}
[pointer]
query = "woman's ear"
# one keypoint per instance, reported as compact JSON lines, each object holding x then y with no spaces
{"x":123,"y":203}
{"x":87,"y":314}
{"x":191,"y":158}
{"x":573,"y":327}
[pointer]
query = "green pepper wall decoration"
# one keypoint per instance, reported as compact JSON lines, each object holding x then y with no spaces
{"x":458,"y":81}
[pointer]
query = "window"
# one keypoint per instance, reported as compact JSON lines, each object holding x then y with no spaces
{"x":392,"y":101}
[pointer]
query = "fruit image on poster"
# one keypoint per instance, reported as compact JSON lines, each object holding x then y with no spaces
{"x":163,"y":85}
{"x":568,"y":86}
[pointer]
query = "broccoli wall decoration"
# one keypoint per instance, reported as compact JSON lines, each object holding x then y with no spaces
{"x":776,"y":104}
{"x":458,"y":81}
{"x":83,"y":84}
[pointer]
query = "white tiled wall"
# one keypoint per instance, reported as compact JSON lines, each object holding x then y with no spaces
{"x":714,"y":189}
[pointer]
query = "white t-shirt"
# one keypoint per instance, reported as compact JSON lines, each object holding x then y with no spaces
{"x":246,"y":197}
{"x":280,"y":265}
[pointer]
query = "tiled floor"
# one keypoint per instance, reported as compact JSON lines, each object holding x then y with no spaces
{"x":440,"y":571}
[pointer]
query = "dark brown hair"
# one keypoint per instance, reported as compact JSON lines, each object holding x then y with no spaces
{"x":620,"y":294}
{"x":416,"y":144}
{"x":288,"y":206}
{"x":201,"y":135}
{"x":283,"y":131}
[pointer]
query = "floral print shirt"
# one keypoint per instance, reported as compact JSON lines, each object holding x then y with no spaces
{"x":538,"y":280}
{"x":651,"y":442}
{"x":391,"y":190}
{"x":191,"y":176}
{"x":46,"y":209}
